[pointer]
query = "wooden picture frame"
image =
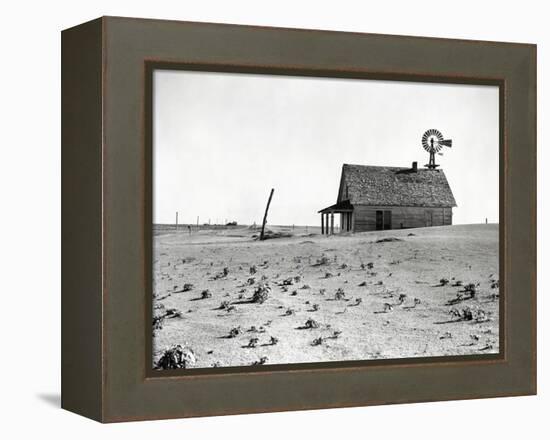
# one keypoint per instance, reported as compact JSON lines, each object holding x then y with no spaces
{"x":106,"y":218}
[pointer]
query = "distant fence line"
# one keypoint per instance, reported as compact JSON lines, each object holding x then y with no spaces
{"x":192,"y":226}
{"x":206,"y":227}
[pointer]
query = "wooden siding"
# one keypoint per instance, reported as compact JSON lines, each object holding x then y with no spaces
{"x":364,"y":217}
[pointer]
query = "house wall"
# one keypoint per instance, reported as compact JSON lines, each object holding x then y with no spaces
{"x":364,"y":217}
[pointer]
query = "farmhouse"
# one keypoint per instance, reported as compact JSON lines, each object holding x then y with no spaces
{"x":376,"y":198}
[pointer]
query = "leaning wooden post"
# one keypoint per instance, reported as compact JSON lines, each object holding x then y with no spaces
{"x":265,"y":215}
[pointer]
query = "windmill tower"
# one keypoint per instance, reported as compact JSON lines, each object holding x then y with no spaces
{"x":433,"y":142}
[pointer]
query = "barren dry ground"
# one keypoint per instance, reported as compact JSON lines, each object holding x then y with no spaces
{"x":393,"y":304}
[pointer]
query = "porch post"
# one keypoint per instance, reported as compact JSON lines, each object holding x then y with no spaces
{"x":322,"y":223}
{"x":332,"y":222}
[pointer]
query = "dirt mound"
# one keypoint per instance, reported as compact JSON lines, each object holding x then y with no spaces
{"x":388,"y":239}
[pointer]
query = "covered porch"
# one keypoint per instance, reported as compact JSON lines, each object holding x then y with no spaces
{"x":345,"y":209}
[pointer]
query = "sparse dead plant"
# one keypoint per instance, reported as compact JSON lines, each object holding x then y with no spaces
{"x":311,"y":324}
{"x":176,"y":357}
{"x":262,"y":361}
{"x":261,"y":293}
{"x":317,"y":341}
{"x":340,"y":294}
{"x":234,"y":332}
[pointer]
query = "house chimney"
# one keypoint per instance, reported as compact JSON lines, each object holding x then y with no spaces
{"x":415,"y":167}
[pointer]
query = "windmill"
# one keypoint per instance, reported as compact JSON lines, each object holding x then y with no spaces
{"x":433,"y":142}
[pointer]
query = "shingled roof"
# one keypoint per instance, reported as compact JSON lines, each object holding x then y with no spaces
{"x":394,"y":186}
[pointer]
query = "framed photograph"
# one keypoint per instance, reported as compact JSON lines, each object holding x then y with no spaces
{"x":264,"y":219}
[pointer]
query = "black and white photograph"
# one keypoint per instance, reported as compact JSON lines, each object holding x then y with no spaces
{"x":275,"y":220}
{"x":307,"y":220}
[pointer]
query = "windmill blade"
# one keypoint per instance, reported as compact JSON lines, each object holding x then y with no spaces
{"x":440,"y":154}
{"x":447,"y":142}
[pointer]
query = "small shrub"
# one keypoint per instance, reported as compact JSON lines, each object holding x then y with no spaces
{"x":224,"y":305}
{"x":187,"y":287}
{"x":317,"y":341}
{"x":176,"y":357}
{"x":173,"y":313}
{"x":311,"y":323}
{"x":467,"y":314}
{"x":158,"y":321}
{"x":454,"y":312}
{"x":340,"y":294}
{"x":234,"y":332}
{"x":471,"y":288}
{"x":261,"y":293}
{"x":206,"y":294}
{"x":263,"y":360}
{"x":322,"y":261}
{"x":288,"y":282}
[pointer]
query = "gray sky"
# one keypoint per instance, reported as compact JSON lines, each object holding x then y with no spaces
{"x":222,"y":141}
